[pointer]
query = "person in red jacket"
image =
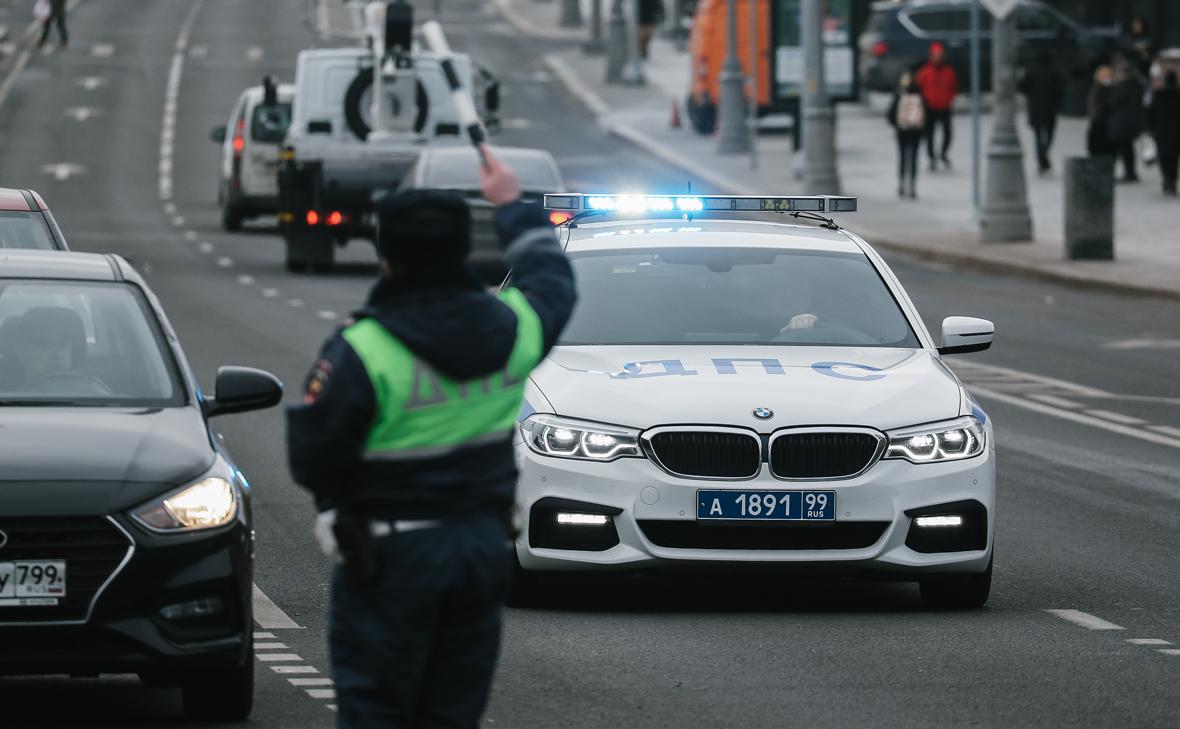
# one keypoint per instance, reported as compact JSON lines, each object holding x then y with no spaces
{"x":939,"y":84}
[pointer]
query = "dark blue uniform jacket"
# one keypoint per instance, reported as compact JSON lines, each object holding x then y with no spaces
{"x":464,"y":332}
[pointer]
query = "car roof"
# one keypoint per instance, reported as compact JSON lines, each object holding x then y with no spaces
{"x":460,"y":164}
{"x":623,"y":234}
{"x":286,"y":92}
{"x":63,"y":266}
{"x":12,"y":199}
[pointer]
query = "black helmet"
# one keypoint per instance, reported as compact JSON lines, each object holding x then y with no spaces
{"x":424,"y":231}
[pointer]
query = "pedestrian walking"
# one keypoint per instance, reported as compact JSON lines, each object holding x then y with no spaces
{"x":405,"y":436}
{"x":907,"y":115}
{"x":56,"y":15}
{"x":1098,"y":139}
{"x":1165,"y":128}
{"x":939,"y":84}
{"x":1127,"y":116}
{"x":650,"y":13}
{"x":1139,"y":46}
{"x":1044,"y":89}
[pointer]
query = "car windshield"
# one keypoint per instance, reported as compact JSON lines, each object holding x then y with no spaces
{"x":270,"y":123}
{"x":25,"y":230}
{"x":733,"y":296}
{"x":78,"y":343}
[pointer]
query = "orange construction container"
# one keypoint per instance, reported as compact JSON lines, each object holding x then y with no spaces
{"x":707,"y":46}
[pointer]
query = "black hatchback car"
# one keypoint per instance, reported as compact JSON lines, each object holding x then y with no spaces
{"x":897,"y":38}
{"x":125,"y":529}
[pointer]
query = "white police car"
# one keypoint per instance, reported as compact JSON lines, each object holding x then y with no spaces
{"x":737,"y":391}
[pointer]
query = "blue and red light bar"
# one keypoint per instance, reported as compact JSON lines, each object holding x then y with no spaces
{"x":577,"y":202}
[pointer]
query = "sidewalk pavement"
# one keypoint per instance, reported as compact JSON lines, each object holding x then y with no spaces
{"x":940,"y":225}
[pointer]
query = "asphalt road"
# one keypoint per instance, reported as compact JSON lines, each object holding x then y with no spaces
{"x":1084,"y":388}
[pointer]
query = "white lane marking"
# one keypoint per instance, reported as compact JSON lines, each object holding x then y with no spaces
{"x":254,"y":53}
{"x":171,"y":96}
{"x":83,"y":113}
{"x":1021,"y":402}
{"x":102,"y":50}
{"x":273,"y":646}
{"x":261,"y":635}
{"x":310,"y":681}
{"x":333,"y":708}
{"x":1116,"y":417}
{"x":205,"y":247}
{"x":278,"y":657}
{"x":198,"y":51}
{"x":995,"y":371}
{"x":90,"y":83}
{"x":62,"y":171}
{"x":270,"y":616}
{"x":1057,"y":402}
{"x":1166,"y":430}
{"x":245,"y":280}
{"x":294,"y":669}
{"x":1086,"y":620}
{"x":170,"y":208}
{"x":1143,"y":344}
{"x":322,"y":693}
{"x":270,"y":293}
{"x":295,"y":303}
{"x":326,"y":315}
{"x":190,"y":235}
{"x":225,"y":262}
{"x":178,"y":221}
{"x":1148,"y":641}
{"x":1169,"y":651}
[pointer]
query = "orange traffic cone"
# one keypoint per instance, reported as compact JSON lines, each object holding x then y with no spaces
{"x":675,"y":123}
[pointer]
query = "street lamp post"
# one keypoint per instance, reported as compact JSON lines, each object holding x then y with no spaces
{"x":616,"y":43}
{"x":819,"y":116}
{"x":595,"y":45}
{"x":733,"y":137}
{"x":1005,"y":215}
{"x":571,"y":14}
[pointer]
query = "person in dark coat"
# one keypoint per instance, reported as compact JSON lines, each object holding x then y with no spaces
{"x":57,"y":14}
{"x":1126,"y":117}
{"x":1044,"y":88}
{"x":907,"y":115}
{"x":1165,"y":127}
{"x":1098,"y":139}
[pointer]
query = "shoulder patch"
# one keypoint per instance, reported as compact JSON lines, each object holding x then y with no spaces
{"x":317,"y":381}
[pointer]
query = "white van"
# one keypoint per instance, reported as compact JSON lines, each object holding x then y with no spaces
{"x":247,"y":185}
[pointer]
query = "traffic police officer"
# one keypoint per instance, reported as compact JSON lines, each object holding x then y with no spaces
{"x":405,"y":438}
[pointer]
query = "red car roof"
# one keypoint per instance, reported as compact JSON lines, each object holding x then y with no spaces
{"x":11,"y":199}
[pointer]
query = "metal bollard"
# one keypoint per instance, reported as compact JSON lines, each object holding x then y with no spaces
{"x":1089,"y":208}
{"x":616,"y":43}
{"x":571,"y":14}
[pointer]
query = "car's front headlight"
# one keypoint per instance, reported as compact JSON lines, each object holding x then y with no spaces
{"x":208,"y":503}
{"x":551,"y":435}
{"x":940,"y":442}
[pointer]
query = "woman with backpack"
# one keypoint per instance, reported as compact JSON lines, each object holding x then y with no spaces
{"x":907,"y":114}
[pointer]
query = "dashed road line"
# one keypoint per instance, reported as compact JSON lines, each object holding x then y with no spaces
{"x":246,"y":280}
{"x":270,"y":293}
{"x":171,"y":96}
{"x":254,"y":53}
{"x":178,"y":221}
{"x":1057,"y":402}
{"x":278,"y":657}
{"x":295,"y":303}
{"x":1166,"y":430}
{"x":270,"y":616}
{"x":326,"y":315}
{"x":1169,"y":651}
{"x":310,"y":681}
{"x":1086,"y":620}
{"x":272,"y":646}
{"x":170,"y":208}
{"x":322,"y":693}
{"x":190,"y":235}
{"x":225,"y":262}
{"x":1148,"y":641}
{"x":205,"y":247}
{"x":263,"y":635}
{"x":102,"y":50}
{"x":294,"y":669}
{"x":1116,"y":417}
{"x":90,"y":83}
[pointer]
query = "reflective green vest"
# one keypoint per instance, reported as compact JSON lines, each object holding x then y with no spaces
{"x":422,"y":413}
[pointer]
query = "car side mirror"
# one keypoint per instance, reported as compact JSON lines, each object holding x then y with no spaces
{"x":218,"y":134}
{"x":242,"y":389}
{"x":963,"y":334}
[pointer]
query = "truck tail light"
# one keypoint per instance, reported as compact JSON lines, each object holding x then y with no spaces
{"x":880,"y":48}
{"x":313,"y":218}
{"x":335,"y":218}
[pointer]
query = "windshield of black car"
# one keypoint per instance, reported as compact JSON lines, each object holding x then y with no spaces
{"x":83,"y":343}
{"x":270,"y":123}
{"x":733,"y":296}
{"x":25,"y":230}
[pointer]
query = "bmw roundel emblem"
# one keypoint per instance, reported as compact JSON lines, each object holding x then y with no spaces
{"x":3,"y":539}
{"x":763,"y":413}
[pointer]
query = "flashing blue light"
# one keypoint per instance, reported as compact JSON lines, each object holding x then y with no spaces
{"x":600,"y":203}
{"x":690,"y":204}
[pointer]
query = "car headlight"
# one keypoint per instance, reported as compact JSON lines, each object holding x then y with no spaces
{"x":551,"y":435}
{"x":951,"y":441}
{"x":208,"y":503}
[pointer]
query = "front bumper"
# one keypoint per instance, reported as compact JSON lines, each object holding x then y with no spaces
{"x":123,"y":630}
{"x":654,"y":515}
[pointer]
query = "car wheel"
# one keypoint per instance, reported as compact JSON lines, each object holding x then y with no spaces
{"x":960,"y":592}
{"x":231,"y":218}
{"x":221,"y":694}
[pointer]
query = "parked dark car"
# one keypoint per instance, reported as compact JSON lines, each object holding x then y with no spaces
{"x":126,"y":537}
{"x":897,"y":38}
{"x":25,"y":222}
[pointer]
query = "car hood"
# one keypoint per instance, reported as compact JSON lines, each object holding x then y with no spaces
{"x":646,"y":386}
{"x":97,"y":459}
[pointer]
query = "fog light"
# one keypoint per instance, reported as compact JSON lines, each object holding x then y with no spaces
{"x":570,"y":519}
{"x":192,"y":609}
{"x":939,"y":521}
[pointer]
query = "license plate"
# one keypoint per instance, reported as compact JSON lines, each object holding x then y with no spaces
{"x":767,"y":505}
{"x":32,"y":583}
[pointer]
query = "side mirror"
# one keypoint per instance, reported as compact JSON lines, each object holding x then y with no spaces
{"x":218,"y":134}
{"x":242,"y":389}
{"x":963,"y":334}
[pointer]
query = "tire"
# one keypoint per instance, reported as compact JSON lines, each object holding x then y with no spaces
{"x":231,"y":218}
{"x":221,"y":694}
{"x":958,"y":592}
{"x":352,"y":105}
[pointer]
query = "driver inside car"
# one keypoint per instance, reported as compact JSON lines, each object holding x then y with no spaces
{"x":42,"y":342}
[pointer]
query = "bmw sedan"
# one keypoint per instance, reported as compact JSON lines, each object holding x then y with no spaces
{"x":125,"y":529}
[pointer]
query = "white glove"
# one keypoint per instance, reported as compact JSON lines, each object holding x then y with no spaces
{"x":325,"y":536}
{"x":800,"y":321}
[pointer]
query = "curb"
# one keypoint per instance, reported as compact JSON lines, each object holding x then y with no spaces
{"x":526,"y":27}
{"x":590,"y":98}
